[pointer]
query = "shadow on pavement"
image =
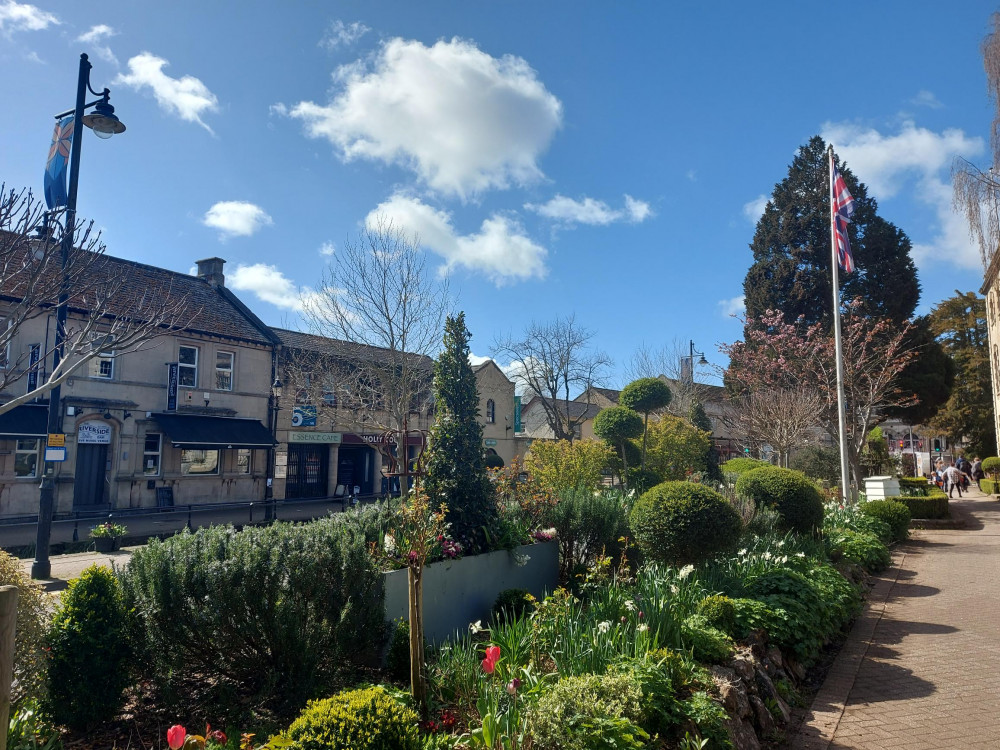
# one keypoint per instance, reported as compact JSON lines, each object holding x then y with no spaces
{"x":881,"y":681}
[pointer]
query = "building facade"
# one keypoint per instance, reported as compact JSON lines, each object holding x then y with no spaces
{"x":182,"y":421}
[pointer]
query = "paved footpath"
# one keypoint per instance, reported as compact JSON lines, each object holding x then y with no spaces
{"x":67,"y":567}
{"x":919,"y":670}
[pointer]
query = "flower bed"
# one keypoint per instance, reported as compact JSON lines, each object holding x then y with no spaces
{"x":457,"y":592}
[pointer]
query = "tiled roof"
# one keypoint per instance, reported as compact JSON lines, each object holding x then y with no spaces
{"x":201,"y":308}
{"x":577,"y":410}
{"x":309,"y":342}
{"x":609,"y":393}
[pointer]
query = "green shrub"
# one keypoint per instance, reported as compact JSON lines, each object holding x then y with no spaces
{"x":915,"y":486}
{"x":894,"y":513}
{"x":366,"y":719}
{"x":934,"y":505}
{"x":789,"y":492}
{"x":589,"y":712}
{"x":708,"y":645}
{"x":990,"y":486}
{"x":33,"y":619}
{"x":991,"y":467}
{"x":861,"y":547}
{"x":493,"y":461}
{"x":30,"y":730}
{"x":89,"y":657}
{"x":397,"y":659}
{"x":719,"y":612}
{"x":511,"y":603}
{"x":817,"y":462}
{"x":741,"y":465}
{"x":709,"y":717}
{"x":587,"y":525}
{"x":680,"y":522}
{"x":271,"y":612}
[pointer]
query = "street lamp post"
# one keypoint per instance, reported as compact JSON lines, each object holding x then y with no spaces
{"x":274,"y":406}
{"x":105,"y":124}
{"x":690,"y":359}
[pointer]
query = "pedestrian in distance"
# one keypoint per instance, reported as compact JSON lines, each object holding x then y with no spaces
{"x":953,"y":479}
{"x":977,"y":472}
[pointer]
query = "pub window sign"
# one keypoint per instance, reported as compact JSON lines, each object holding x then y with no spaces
{"x":93,"y":433}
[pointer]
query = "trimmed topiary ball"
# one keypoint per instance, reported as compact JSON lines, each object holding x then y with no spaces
{"x":796,"y":499}
{"x":681,"y":522}
{"x":367,"y":719}
{"x":741,"y":465}
{"x":894,"y":513}
{"x":719,"y":612}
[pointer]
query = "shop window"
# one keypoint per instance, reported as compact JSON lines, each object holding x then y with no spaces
{"x":151,"y":455}
{"x":26,"y":458}
{"x":491,"y":412}
{"x":244,"y":460}
{"x":198,"y":462}
{"x":187,"y":366}
{"x":224,"y":371}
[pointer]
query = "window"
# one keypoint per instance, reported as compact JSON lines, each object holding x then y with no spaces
{"x":151,"y":455}
{"x":26,"y":457}
{"x":187,"y":366}
{"x":195,"y":462}
{"x":102,"y":366}
{"x":491,"y":412}
{"x":223,"y":371}
{"x":244,"y":460}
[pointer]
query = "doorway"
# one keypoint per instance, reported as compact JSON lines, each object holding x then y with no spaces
{"x":90,"y":482}
{"x":356,"y":468}
{"x":308,"y":469}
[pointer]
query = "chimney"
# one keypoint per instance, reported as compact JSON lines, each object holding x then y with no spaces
{"x":210,"y":269}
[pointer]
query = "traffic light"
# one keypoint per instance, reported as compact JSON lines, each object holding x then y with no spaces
{"x":747,"y":451}
{"x":901,"y":444}
{"x":937,"y":445}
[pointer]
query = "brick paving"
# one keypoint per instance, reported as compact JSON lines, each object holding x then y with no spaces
{"x":919,"y":669}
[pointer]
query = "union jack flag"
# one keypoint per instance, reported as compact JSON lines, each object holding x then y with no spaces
{"x":841,"y":212}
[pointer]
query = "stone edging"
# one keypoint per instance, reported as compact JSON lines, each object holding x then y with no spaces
{"x":818,"y":727}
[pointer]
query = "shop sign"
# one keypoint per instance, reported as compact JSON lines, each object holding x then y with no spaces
{"x":172,"y":374}
{"x":490,"y":442}
{"x":517,"y":414}
{"x":303,"y":416}
{"x":314,"y":437}
{"x":91,"y":433}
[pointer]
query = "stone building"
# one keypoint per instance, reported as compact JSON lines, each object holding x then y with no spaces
{"x":180,"y":422}
{"x":991,"y":291}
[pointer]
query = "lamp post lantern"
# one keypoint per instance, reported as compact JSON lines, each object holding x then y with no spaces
{"x":105,"y":124}
{"x":689,"y":358}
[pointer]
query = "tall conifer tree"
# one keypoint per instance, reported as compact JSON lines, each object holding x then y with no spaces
{"x":456,"y":467}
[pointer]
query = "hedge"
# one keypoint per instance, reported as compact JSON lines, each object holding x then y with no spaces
{"x":990,"y":486}
{"x":933,"y":505}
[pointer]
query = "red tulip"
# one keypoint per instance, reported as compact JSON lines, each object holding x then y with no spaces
{"x":492,"y":657}
{"x":175,"y":736}
{"x":218,"y":736}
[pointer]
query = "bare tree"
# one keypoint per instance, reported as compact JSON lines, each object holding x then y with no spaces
{"x":666,"y":362}
{"x":386,"y":316}
{"x":555,"y":361}
{"x":106,"y":316}
{"x":977,"y":191}
{"x":783,"y":418}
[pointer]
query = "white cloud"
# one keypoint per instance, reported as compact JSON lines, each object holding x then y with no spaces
{"x":500,"y":250}
{"x":96,"y":37}
{"x":340,"y":33}
{"x":754,"y":209}
{"x":475,"y":359}
{"x":735,"y":306}
{"x":236,"y":218}
{"x":927,"y":99}
{"x":269,"y":284}
{"x":462,"y":120}
{"x":590,"y":211}
{"x":327,"y":249}
{"x":186,"y":97}
{"x":917,"y":161}
{"x":16,"y":16}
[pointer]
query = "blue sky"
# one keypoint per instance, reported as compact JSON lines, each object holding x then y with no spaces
{"x":607,"y":160}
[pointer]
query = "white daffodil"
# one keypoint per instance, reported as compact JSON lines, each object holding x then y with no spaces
{"x":389,"y":544}
{"x":476,"y":627}
{"x":630,"y":605}
{"x":685,"y":571}
{"x":642,"y":628}
{"x":603,"y":627}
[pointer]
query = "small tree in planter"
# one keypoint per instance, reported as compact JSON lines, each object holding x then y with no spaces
{"x":991,"y":468}
{"x":417,"y":534}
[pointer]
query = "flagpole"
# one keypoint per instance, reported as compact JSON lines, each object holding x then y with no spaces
{"x":845,"y":475}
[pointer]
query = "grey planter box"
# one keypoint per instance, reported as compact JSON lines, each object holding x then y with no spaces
{"x":880,"y":488}
{"x":459,"y":592}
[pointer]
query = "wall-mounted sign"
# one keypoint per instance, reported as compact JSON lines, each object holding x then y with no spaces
{"x":172,"y":370}
{"x":314,"y":437}
{"x":90,"y":433}
{"x":281,"y":459}
{"x":280,"y":472}
{"x":58,"y":440}
{"x":489,"y":442}
{"x":517,"y":414}
{"x":33,"y":357}
{"x":55,"y":454}
{"x":303,"y":416}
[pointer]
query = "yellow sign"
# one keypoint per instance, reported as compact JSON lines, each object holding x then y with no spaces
{"x":57,"y":441}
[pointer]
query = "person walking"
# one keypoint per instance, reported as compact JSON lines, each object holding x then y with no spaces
{"x":977,"y":472}
{"x":953,"y":478}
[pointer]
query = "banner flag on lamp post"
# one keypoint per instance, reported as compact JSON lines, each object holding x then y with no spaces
{"x":56,"y":167}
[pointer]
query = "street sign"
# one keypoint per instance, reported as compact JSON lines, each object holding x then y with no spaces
{"x":57,"y":440}
{"x":56,"y":455}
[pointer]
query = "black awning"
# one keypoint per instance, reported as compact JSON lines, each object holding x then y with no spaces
{"x":198,"y":432}
{"x":26,"y":420}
